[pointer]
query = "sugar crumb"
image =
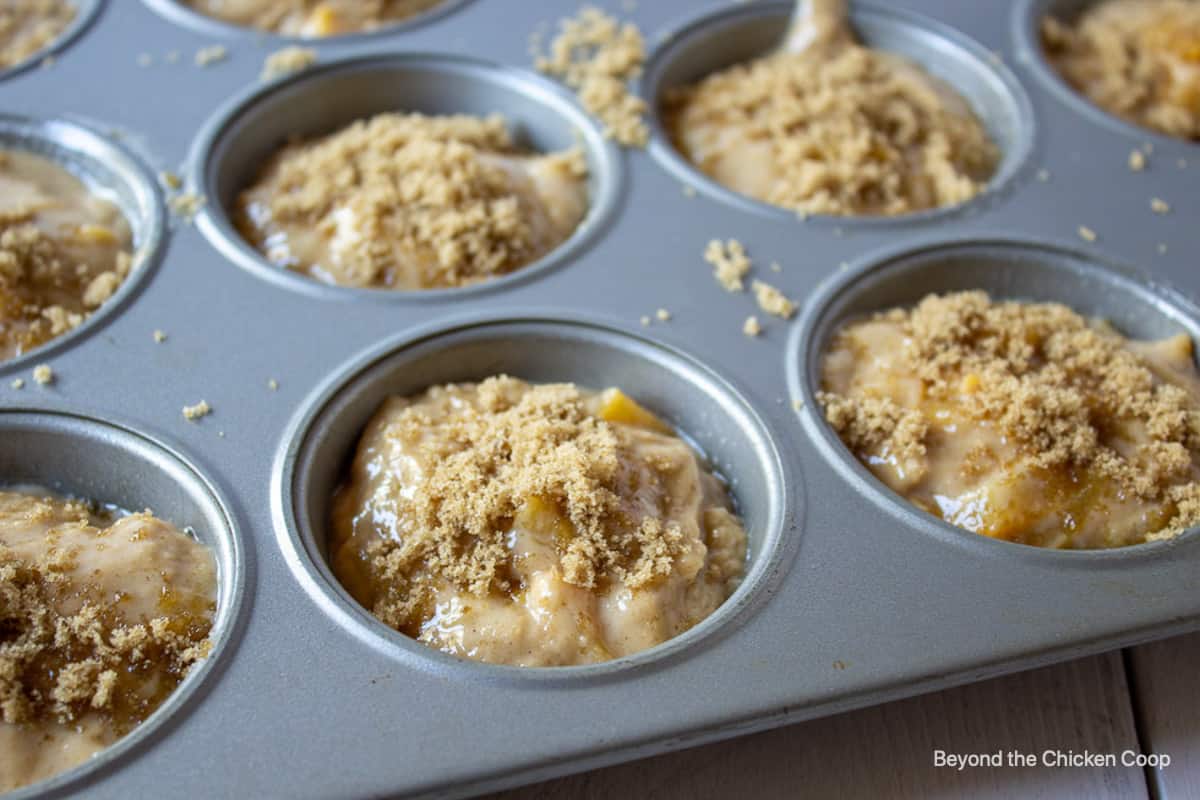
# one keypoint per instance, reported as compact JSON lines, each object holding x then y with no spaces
{"x":773,"y":301}
{"x":287,"y":61}
{"x":1043,"y":175}
{"x":43,"y":374}
{"x":1087,"y":234}
{"x":645,"y":322}
{"x":597,"y":56}
{"x":1159,"y":206}
{"x":160,"y":336}
{"x":211,"y":55}
{"x":273,"y":384}
{"x":730,"y":263}
{"x":752,"y":327}
{"x":170,"y":180}
{"x":663,"y":315}
{"x":1137,"y":161}
{"x":195,"y":412}
{"x":18,"y":383}
{"x":186,"y":205}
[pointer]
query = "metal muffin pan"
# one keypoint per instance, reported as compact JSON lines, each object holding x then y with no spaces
{"x":721,"y":425}
{"x":88,"y":458}
{"x":852,"y":597}
{"x":110,"y":171}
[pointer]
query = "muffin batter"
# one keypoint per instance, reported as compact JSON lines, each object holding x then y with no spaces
{"x":406,"y":201}
{"x":313,"y":17}
{"x":63,"y":251}
{"x":1023,"y":422}
{"x":836,"y":128}
{"x":533,"y":525}
{"x":101,"y":617}
{"x":28,"y":27}
{"x":1138,"y":59}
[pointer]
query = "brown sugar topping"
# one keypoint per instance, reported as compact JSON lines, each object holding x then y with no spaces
{"x":424,"y":185}
{"x":846,"y":130}
{"x":30,"y":26}
{"x":60,"y":258}
{"x":1058,"y":386}
{"x":1139,"y":59}
{"x":58,"y":666}
{"x":545,"y":444}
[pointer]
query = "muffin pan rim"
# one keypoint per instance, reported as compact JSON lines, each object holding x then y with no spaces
{"x":48,"y":138}
{"x":810,"y":336}
{"x":1012,"y":168}
{"x":85,"y":14}
{"x":779,"y":541}
{"x":1027,"y":17}
{"x":856,"y":591}
{"x":227,"y":550}
{"x":605,"y":162}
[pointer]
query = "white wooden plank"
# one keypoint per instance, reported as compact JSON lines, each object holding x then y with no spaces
{"x":1167,"y":697}
{"x":888,"y":751}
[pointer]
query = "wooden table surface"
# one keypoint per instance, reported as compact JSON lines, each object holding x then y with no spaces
{"x":1143,"y":700}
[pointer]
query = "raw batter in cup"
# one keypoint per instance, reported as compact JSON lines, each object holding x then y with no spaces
{"x":63,"y":251}
{"x":406,"y":201}
{"x":101,"y":617}
{"x":533,"y":525}
{"x":1022,"y":421}
{"x":27,"y":27}
{"x":312,"y":18}
{"x":837,"y":128}
{"x":1138,"y":59}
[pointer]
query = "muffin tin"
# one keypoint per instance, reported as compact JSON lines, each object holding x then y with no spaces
{"x":852,"y":597}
